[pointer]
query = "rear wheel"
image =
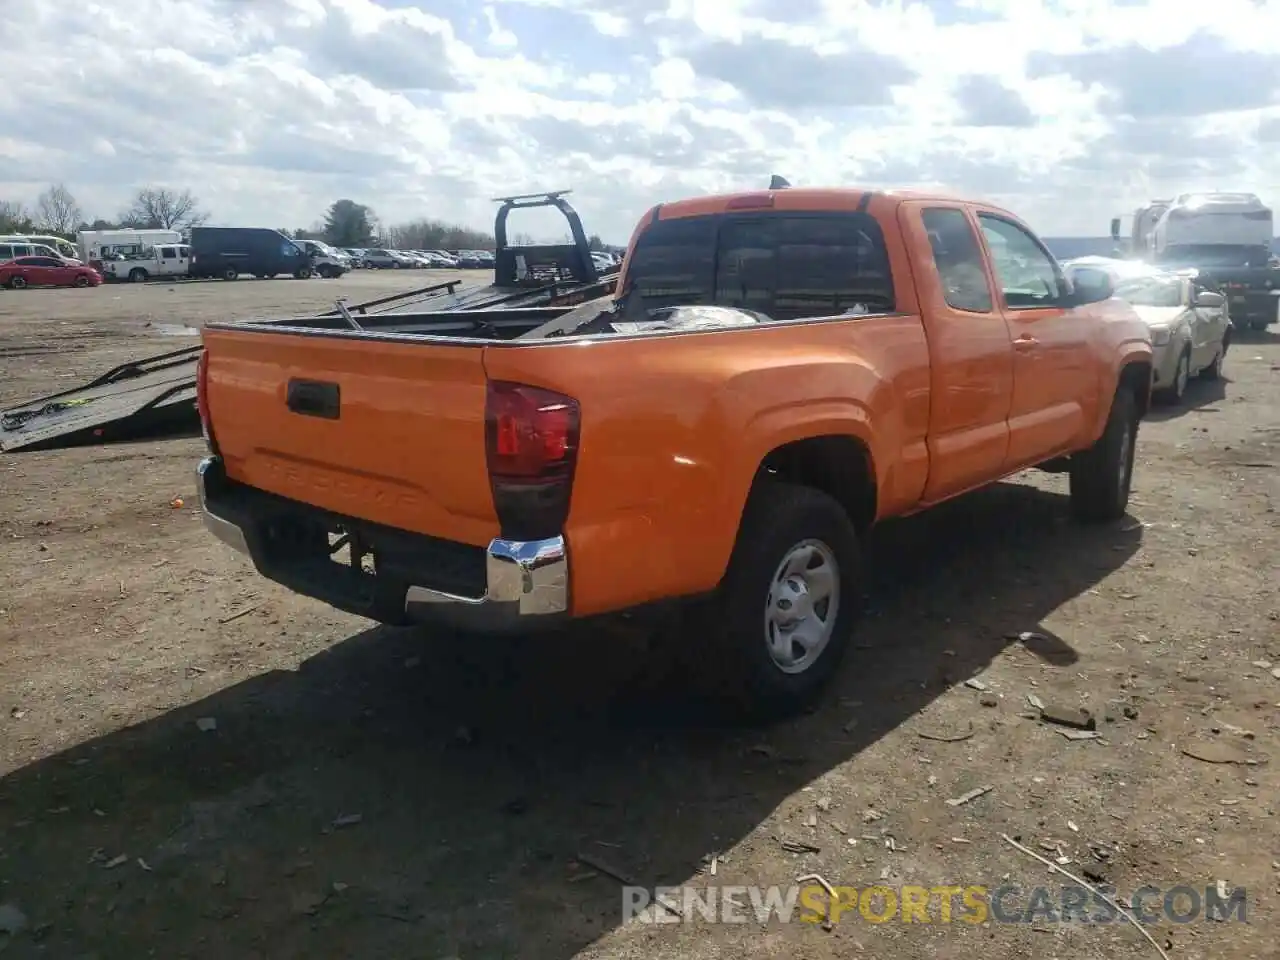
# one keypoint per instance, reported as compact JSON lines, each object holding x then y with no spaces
{"x":17,"y":283}
{"x":303,"y":273}
{"x":231,"y":273}
{"x":1259,"y":323}
{"x":137,"y":275}
{"x":784,"y":613}
{"x":1102,"y":476}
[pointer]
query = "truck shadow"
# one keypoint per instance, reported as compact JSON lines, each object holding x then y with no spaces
{"x":395,"y":797}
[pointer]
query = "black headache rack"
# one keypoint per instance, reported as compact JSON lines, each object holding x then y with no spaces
{"x":536,"y":275}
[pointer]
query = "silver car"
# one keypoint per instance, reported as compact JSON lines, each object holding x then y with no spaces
{"x":1190,"y":326}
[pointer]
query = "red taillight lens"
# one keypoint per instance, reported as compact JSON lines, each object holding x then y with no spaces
{"x":531,"y":443}
{"x":532,"y":433}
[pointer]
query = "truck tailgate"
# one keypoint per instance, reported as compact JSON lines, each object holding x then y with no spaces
{"x":389,"y":432}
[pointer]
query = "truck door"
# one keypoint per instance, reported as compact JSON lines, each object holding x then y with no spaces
{"x":971,"y":360}
{"x":1053,"y":377}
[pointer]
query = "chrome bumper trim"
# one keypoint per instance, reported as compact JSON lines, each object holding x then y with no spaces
{"x":530,"y":578}
{"x":523,"y":579}
{"x":223,"y":529}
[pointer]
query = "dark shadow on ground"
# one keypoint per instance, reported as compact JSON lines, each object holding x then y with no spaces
{"x":1200,"y":393}
{"x":1242,"y":336}
{"x":478,"y":771}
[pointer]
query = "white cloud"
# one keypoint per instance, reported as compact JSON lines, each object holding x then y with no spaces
{"x":1066,"y":111}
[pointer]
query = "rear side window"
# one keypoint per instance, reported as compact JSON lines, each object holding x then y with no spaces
{"x":673,"y":263}
{"x":787,"y":266}
{"x":958,"y":260}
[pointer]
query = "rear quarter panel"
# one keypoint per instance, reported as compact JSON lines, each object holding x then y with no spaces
{"x":674,"y":428}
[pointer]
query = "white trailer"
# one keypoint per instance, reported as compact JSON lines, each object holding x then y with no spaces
{"x":94,"y":243}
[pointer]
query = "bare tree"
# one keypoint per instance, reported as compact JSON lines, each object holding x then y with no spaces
{"x":57,"y":210}
{"x":159,"y":208}
{"x":14,"y":217}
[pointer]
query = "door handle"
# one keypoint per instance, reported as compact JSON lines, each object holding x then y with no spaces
{"x":1026,"y":343}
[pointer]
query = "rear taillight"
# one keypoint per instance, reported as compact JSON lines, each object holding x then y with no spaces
{"x":531,"y":444}
{"x":202,"y":397}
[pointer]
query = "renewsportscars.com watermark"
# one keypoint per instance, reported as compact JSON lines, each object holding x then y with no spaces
{"x":972,"y":904}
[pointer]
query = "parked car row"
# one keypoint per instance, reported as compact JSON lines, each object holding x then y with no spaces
{"x":386,"y":258}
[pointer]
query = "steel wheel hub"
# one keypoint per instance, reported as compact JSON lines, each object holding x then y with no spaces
{"x":803,"y":602}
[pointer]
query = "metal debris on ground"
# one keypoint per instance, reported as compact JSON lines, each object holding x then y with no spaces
{"x":798,"y":846}
{"x":595,"y":863}
{"x":1068,"y":716}
{"x":871,"y":815}
{"x":1213,"y":752}
{"x":946,"y":737}
{"x":206,"y":724}
{"x":1035,"y":701}
{"x":818,"y":878}
{"x":973,"y":794}
{"x":1114,"y":904}
{"x":1026,"y":636}
{"x":348,"y":820}
{"x":974,"y":684}
{"x":1081,"y":734}
{"x":239,"y":613}
{"x":117,"y":861}
{"x":823,"y":804}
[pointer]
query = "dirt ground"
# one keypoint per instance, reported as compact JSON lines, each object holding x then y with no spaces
{"x":196,"y":763}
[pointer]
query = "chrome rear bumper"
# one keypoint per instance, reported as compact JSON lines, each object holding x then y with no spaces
{"x":526,"y":582}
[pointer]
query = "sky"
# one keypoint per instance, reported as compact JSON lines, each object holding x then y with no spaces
{"x":1067,"y":112}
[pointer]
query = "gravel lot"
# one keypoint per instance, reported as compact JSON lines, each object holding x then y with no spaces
{"x":195,"y":763}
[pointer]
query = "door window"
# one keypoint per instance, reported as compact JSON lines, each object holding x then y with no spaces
{"x":958,"y":260}
{"x":1028,"y":276}
{"x":168,"y":253}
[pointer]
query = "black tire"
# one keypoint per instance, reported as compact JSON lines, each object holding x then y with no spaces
{"x":1214,"y":370}
{"x":1102,"y":476}
{"x":17,"y":283}
{"x":1260,"y":323}
{"x":303,"y":273}
{"x":779,"y":520}
{"x":231,"y":273}
{"x":137,"y":275}
{"x":80,"y":281}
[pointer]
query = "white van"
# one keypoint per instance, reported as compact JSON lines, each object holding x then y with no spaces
{"x":11,"y":247}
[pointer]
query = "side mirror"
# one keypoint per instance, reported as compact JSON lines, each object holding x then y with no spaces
{"x":1089,"y":285}
{"x":1208,"y":300}
{"x":1115,"y":228}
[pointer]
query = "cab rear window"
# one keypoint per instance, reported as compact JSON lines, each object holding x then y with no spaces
{"x":785,"y":265}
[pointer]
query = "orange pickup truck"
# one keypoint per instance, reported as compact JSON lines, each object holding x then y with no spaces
{"x":777,"y":371}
